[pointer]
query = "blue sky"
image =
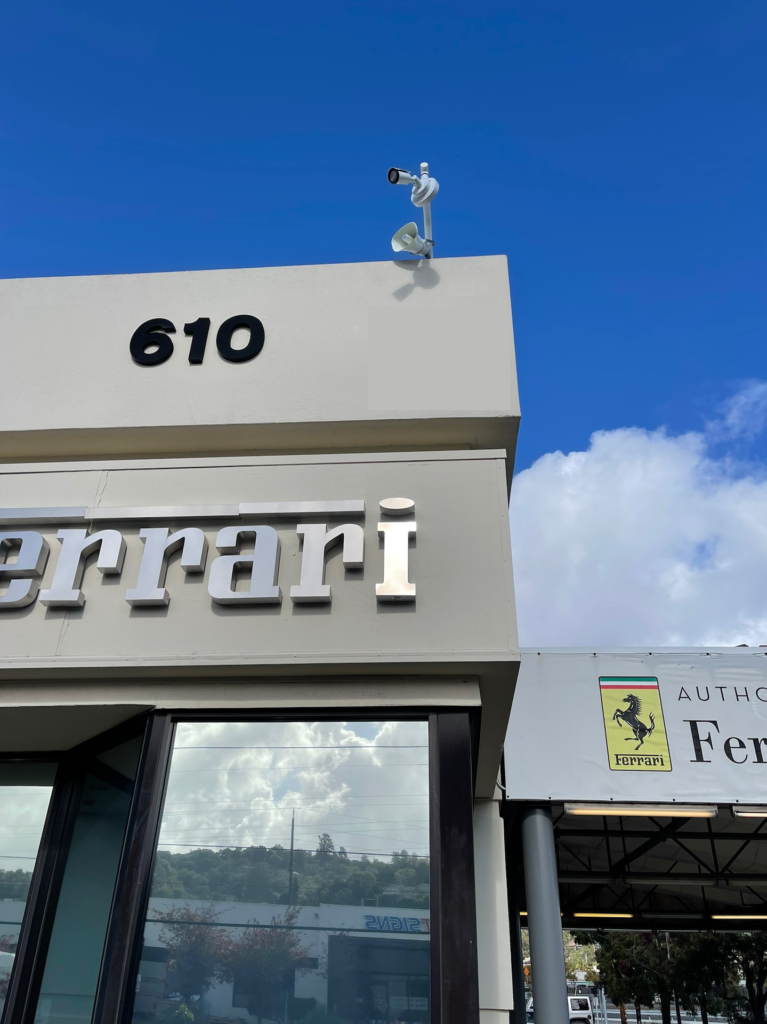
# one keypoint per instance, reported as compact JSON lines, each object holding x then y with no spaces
{"x":614,"y":152}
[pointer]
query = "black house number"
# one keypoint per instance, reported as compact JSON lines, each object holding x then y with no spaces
{"x":150,"y":344}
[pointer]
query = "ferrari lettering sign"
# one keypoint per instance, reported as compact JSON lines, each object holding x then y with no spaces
{"x":246,"y":551}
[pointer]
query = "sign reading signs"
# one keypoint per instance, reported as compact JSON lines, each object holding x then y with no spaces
{"x":687,"y":726}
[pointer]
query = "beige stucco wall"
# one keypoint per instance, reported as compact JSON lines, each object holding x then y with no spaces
{"x":383,"y":358}
{"x":459,"y":561}
{"x":357,"y":356}
{"x":461,"y":629}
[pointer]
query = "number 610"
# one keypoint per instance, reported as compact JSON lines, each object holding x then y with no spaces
{"x":150,"y":344}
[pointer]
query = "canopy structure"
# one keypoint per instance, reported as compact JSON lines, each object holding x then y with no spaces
{"x":666,"y":873}
{"x":649,"y":767}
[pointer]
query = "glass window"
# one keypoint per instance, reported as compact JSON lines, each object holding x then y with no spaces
{"x":291,"y":880}
{"x":76,"y":946}
{"x":25,"y":792}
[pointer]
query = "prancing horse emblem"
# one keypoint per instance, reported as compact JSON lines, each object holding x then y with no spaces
{"x":631,"y":717}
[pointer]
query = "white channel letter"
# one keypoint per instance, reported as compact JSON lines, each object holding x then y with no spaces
{"x":158,"y":546}
{"x":31,"y":561}
{"x":395,"y":586}
{"x":76,"y":545}
{"x":316,"y":542}
{"x":264,"y":563}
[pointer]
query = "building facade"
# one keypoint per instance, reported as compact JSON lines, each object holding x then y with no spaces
{"x":258,"y":645}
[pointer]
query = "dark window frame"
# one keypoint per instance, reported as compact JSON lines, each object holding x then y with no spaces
{"x":50,"y":839}
{"x":452,"y":770}
{"x":48,"y":872}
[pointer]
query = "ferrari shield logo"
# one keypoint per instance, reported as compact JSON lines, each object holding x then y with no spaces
{"x":634,"y":728}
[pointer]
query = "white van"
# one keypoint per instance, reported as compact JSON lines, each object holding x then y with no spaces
{"x":579,"y":1007}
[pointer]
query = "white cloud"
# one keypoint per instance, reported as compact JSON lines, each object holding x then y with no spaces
{"x":238,"y":783}
{"x":22,"y":816}
{"x":743,"y":415}
{"x":645,"y":539}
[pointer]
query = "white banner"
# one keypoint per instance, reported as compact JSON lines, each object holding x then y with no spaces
{"x":687,"y":725}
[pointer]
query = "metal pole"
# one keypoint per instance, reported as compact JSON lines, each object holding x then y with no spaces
{"x":547,"y":958}
{"x":427,"y":229}
{"x":517,"y":1015}
{"x":290,"y":865}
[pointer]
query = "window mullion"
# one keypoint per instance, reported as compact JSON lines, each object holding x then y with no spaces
{"x":122,"y":946}
{"x":43,"y":896}
{"x":459,"y":995}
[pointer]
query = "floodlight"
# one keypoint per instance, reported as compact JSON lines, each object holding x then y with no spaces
{"x":596,"y":913}
{"x":644,"y":810}
{"x":739,"y":917}
{"x":741,"y":811}
{"x":425,"y":189}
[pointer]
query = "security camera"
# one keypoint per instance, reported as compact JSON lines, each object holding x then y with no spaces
{"x":397,"y":176}
{"x":425,"y":189}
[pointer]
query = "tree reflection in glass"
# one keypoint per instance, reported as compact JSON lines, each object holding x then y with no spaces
{"x":291,"y":881}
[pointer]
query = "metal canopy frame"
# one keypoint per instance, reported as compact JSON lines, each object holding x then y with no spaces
{"x":674,"y":874}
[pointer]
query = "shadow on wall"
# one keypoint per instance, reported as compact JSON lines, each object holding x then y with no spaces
{"x":424,"y":275}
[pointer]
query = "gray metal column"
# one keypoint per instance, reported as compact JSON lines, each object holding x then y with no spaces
{"x":547,"y":959}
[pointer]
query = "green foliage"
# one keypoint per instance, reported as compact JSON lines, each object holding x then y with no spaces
{"x":260,"y":962}
{"x":580,"y":957}
{"x":14,"y":885}
{"x":196,"y":950}
{"x":723,"y":972}
{"x":258,"y":874}
{"x":325,"y":844}
{"x":746,"y":955}
{"x":180,"y":1014}
{"x":703,"y":972}
{"x":579,"y":952}
{"x":636,"y":967}
{"x":714,"y":973}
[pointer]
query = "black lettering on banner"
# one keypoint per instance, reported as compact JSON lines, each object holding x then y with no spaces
{"x":739,"y":695}
{"x":758,"y":741}
{"x":227,"y":329}
{"x":707,"y":697}
{"x":645,"y":760}
{"x":146,"y":336}
{"x":734,"y":741}
{"x":759,"y":690}
{"x":684,"y":695}
{"x":697,"y":739}
{"x":721,"y":690}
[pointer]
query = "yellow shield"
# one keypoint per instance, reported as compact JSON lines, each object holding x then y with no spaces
{"x":634,"y":727}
